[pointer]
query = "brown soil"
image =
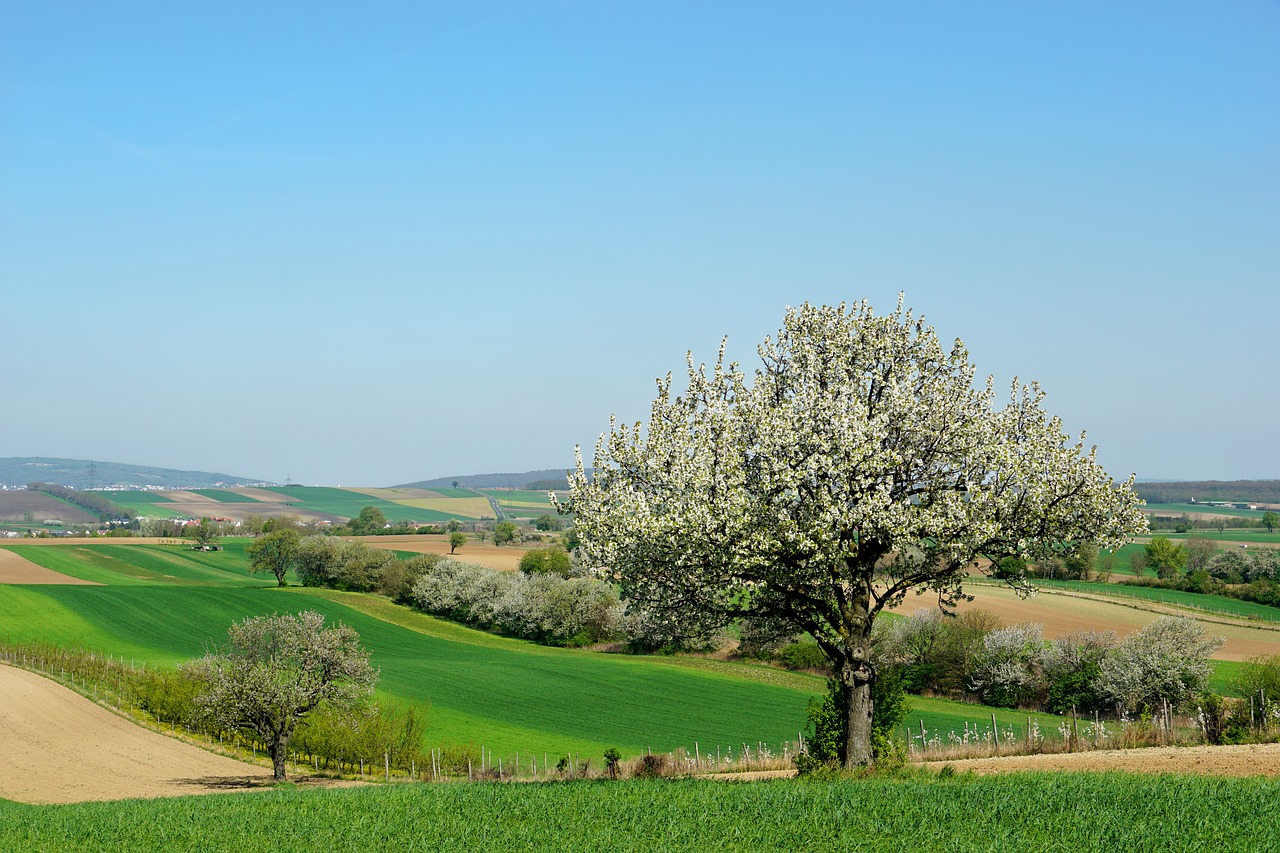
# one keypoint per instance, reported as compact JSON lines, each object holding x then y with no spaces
{"x":15,"y":503}
{"x":58,"y":747}
{"x":19,"y":570}
{"x":1237,"y":760}
{"x":505,"y":558}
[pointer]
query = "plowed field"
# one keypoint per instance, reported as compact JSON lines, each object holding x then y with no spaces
{"x":58,"y":747}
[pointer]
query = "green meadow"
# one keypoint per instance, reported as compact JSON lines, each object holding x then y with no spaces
{"x":163,"y":604}
{"x":1014,"y":812}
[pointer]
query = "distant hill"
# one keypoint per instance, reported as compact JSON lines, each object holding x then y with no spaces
{"x":18,"y":471}
{"x":529,"y":479}
{"x":1260,"y":491}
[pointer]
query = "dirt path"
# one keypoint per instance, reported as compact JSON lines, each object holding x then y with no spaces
{"x":20,"y":570}
{"x":1236,"y":760}
{"x":58,"y":747}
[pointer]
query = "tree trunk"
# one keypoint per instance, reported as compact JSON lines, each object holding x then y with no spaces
{"x":279,"y":754}
{"x":855,"y":682}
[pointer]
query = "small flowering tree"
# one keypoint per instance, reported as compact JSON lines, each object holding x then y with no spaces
{"x":860,"y":462}
{"x":276,"y":670}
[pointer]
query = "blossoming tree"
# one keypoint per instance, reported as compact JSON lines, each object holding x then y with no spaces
{"x":860,"y":462}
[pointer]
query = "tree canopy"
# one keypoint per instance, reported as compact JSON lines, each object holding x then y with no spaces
{"x":277,"y":669}
{"x":276,"y":552}
{"x":858,"y":463}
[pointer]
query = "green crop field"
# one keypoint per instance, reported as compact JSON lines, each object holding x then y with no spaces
{"x":225,"y":496}
{"x":348,"y":504}
{"x":517,"y":496}
{"x":1017,"y":812}
{"x":148,"y":504}
{"x":1257,"y":537}
{"x":1215,"y":510}
{"x":147,"y":564}
{"x":135,"y":497}
{"x":509,"y":695}
{"x":1211,"y":603}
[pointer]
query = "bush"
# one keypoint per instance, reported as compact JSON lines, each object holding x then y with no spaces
{"x":1071,"y":667}
{"x":1008,"y":670}
{"x":803,"y":656}
{"x":1167,"y":660}
{"x":546,"y":561}
{"x":828,"y":723}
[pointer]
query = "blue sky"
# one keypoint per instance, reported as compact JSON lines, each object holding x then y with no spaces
{"x":373,"y":243}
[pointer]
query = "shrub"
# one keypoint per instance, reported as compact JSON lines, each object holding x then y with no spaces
{"x":1008,"y":669}
{"x":805,"y":655}
{"x":1167,"y":660}
{"x":828,"y":721}
{"x":1071,"y":667}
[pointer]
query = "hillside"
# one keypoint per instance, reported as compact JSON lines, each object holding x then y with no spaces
{"x":1253,"y":491}
{"x":18,"y":471}
{"x":492,"y":481}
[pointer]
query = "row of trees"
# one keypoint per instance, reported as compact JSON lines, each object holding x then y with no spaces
{"x":546,"y":608}
{"x":1015,"y":666}
{"x":91,"y":502}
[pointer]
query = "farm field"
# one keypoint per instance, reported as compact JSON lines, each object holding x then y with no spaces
{"x":1202,"y":511}
{"x":1021,"y":811}
{"x":508,"y":694}
{"x":503,"y":557}
{"x":1061,"y":613}
{"x":59,"y":747}
{"x":1218,"y":604}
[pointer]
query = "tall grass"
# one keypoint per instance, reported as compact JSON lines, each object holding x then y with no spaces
{"x":1066,"y":812}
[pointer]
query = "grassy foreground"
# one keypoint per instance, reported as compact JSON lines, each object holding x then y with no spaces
{"x":1069,"y":812}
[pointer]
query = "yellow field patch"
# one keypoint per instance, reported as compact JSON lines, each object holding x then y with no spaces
{"x":525,"y":504}
{"x":466,"y":507}
{"x":397,"y":495}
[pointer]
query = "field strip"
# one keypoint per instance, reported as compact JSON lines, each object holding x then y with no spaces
{"x":1170,"y":609}
{"x":403,"y":617}
{"x":1250,"y":759}
{"x":502,"y":557}
{"x":262,"y":495}
{"x":468,"y":507}
{"x":397,"y":495}
{"x":58,"y":747}
{"x":16,"y":569}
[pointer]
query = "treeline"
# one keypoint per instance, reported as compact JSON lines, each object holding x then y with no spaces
{"x":90,"y":502}
{"x":1243,"y":491}
{"x":374,"y":736}
{"x":549,"y":601}
{"x":1161,"y":668}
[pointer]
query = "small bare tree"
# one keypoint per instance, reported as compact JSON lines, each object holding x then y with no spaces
{"x":276,"y":670}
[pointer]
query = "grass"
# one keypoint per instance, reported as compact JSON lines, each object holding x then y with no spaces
{"x":509,"y":695}
{"x":148,"y":564}
{"x":225,"y":496}
{"x":348,"y":504}
{"x":1016,"y":812}
{"x":1203,"y":508}
{"x":1219,"y":604}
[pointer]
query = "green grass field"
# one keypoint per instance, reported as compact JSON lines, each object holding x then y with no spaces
{"x":142,"y":503}
{"x":1215,"y":510}
{"x":148,"y":564}
{"x":225,"y":496}
{"x":507,"y":694}
{"x":1017,"y":812}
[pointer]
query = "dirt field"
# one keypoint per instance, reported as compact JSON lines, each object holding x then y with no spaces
{"x":58,"y":747}
{"x":505,"y":557}
{"x":15,"y":503}
{"x":19,"y":570}
{"x":1065,"y":614}
{"x":1238,"y":760}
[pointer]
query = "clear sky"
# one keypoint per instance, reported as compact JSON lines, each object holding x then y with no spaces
{"x":370,"y":243}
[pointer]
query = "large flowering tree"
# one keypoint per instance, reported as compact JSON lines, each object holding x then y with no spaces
{"x":859,"y":462}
